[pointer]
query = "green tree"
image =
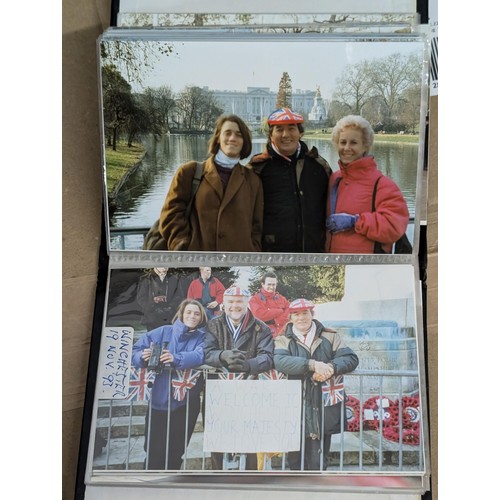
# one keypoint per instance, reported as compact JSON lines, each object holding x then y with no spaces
{"x":316,"y":283}
{"x":331,"y":281}
{"x":284,"y":97}
{"x":137,"y":121}
{"x":117,"y":102}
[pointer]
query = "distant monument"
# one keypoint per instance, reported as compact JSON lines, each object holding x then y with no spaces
{"x":318,"y":114}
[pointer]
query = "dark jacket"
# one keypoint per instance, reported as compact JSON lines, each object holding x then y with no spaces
{"x":293,"y":358}
{"x":255,"y":340}
{"x":161,"y":313}
{"x":294,"y":211}
{"x":221,"y":220}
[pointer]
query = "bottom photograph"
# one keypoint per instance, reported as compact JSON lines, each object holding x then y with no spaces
{"x":262,"y":370}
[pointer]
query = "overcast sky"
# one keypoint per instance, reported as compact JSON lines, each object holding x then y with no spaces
{"x":236,"y":65}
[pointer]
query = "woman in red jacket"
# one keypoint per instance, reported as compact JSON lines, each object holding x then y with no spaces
{"x":353,"y":226}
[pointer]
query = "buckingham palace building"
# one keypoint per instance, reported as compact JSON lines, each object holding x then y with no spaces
{"x":256,"y":103}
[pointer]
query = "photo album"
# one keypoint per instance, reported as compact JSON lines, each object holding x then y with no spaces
{"x":262,"y":325}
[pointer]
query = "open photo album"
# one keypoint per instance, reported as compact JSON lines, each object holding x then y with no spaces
{"x":262,"y":318}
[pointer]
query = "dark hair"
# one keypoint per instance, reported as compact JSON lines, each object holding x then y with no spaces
{"x":214,"y":142}
{"x":186,"y":302}
{"x":269,"y":274}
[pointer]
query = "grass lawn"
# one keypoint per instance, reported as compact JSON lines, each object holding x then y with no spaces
{"x":120,"y":161}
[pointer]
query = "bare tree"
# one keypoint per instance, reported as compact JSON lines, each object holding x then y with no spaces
{"x":133,"y":58}
{"x":355,"y":87}
{"x":392,"y":77}
{"x":197,"y":108}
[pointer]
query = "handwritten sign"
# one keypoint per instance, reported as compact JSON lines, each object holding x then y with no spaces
{"x":114,"y":362}
{"x":250,"y":416}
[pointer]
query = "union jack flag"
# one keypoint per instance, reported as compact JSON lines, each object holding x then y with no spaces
{"x":272,"y":375}
{"x":138,"y":385}
{"x":333,"y":391}
{"x":182,"y":381}
{"x":284,"y":115}
{"x":225,"y":375}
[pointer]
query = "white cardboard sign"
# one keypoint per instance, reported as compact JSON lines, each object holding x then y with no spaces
{"x":250,"y":416}
{"x":114,"y":362}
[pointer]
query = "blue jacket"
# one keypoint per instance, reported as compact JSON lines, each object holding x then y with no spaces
{"x":188,"y":351}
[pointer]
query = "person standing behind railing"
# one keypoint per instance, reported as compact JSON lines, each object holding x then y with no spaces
{"x":208,"y":290}
{"x":238,"y":342}
{"x":270,"y":306}
{"x":366,"y":211}
{"x":176,"y":387}
{"x":159,"y":294}
{"x":317,"y":355}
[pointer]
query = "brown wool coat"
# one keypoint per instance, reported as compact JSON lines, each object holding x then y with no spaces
{"x":229,"y":221}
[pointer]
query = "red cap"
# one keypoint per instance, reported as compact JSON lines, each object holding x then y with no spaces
{"x":283,"y":116}
{"x":300,"y":305}
{"x":236,"y":290}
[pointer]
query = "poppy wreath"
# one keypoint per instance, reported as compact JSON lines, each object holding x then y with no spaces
{"x":411,"y":422}
{"x":390,"y":413}
{"x":352,"y":409}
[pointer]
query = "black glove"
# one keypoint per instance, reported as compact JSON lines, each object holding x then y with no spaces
{"x":239,"y":366}
{"x":234,"y":360}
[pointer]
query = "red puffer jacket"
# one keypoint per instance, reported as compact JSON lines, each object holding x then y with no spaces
{"x":355,"y":192}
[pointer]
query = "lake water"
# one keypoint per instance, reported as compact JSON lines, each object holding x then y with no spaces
{"x":140,"y":200}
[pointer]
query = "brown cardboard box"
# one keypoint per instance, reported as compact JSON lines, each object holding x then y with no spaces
{"x":83,"y":22}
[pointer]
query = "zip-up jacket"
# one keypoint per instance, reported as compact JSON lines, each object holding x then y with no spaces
{"x":255,"y":339}
{"x":271,"y":309}
{"x":293,"y":358}
{"x":295,"y":194}
{"x":354,"y":196}
{"x":187,"y":349}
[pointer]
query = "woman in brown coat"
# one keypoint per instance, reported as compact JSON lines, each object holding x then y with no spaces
{"x":227,"y":210}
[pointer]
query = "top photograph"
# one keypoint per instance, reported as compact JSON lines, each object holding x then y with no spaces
{"x":283,"y":144}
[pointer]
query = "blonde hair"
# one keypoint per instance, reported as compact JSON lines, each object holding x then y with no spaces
{"x":357,"y":122}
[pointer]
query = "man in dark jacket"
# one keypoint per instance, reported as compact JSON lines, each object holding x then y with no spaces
{"x":238,"y":342}
{"x":295,"y":182}
{"x":317,"y":355}
{"x":159,"y":294}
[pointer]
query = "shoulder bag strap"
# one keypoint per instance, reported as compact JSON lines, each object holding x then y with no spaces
{"x":198,"y":175}
{"x":333,"y":195}
{"x":377,"y":247}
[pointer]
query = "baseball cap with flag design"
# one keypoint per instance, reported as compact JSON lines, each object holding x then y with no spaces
{"x":283,"y":116}
{"x":236,"y":290}
{"x":300,"y":305}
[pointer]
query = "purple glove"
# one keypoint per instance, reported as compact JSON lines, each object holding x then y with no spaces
{"x":340,"y":222}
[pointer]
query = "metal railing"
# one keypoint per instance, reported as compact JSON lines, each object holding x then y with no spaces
{"x":363,"y":444}
{"x":119,"y":236}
